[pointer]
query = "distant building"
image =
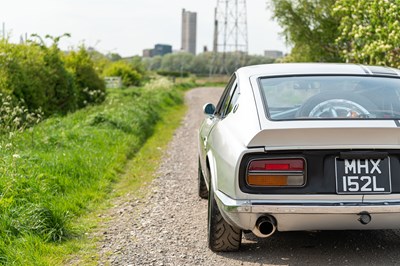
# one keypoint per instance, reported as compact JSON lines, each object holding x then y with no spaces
{"x":148,"y":53}
{"x":162,"y":49}
{"x":189,"y":25}
{"x":274,"y":54}
{"x":159,"y":49}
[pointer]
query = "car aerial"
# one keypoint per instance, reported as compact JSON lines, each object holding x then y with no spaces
{"x":307,"y":146}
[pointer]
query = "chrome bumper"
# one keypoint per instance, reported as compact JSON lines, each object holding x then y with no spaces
{"x":326,"y":215}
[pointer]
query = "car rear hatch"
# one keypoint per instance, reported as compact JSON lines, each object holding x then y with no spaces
{"x":341,"y":158}
{"x":337,"y":134}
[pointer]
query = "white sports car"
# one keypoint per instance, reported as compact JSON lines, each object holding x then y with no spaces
{"x":301,"y":147}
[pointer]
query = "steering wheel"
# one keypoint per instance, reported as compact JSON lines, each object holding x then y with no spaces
{"x":337,"y":104}
{"x":339,"y":108}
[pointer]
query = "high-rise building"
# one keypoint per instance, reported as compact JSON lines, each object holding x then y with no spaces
{"x":189,"y":21}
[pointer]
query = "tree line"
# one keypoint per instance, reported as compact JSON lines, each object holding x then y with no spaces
{"x":182,"y":63}
{"x":357,"y":31}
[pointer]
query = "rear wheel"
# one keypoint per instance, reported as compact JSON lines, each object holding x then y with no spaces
{"x":202,"y":187}
{"x":221,"y":235}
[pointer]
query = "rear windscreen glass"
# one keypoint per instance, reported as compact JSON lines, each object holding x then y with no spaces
{"x":331,"y":97}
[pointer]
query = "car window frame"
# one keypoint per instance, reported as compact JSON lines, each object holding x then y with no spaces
{"x":228,"y":108}
{"x":219,"y":110}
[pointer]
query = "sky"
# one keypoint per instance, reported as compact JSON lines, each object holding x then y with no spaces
{"x":127,"y":27}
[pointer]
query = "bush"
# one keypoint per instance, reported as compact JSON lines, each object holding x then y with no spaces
{"x":130,"y":77}
{"x":60,"y":81}
{"x":36,"y":74}
{"x":44,"y":78}
{"x":91,"y":88}
{"x":22,"y":73}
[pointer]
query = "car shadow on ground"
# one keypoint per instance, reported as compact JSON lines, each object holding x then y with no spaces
{"x":379,"y":247}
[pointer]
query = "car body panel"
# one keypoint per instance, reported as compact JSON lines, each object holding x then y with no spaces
{"x":340,"y":137}
{"x":224,"y":142}
{"x":311,"y":215}
{"x":314,"y":68}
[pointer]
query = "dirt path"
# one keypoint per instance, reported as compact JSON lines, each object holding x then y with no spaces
{"x":169,"y":227}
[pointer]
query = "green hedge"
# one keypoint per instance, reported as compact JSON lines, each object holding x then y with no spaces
{"x":39,"y":76}
{"x":175,"y":74}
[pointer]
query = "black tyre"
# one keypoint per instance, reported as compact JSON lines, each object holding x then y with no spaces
{"x":202,"y":187}
{"x":221,"y":235}
{"x":361,"y":101}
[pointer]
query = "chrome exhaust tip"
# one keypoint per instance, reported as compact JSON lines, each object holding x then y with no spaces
{"x":265,"y":226}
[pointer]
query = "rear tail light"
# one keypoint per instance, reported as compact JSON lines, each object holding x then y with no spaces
{"x":276,"y":172}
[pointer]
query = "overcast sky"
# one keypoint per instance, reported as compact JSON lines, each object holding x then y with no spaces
{"x":129,"y":26}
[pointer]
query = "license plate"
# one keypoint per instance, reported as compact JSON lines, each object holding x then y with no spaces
{"x":363,"y":176}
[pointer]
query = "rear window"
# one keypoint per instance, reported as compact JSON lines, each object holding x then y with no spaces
{"x":331,"y":97}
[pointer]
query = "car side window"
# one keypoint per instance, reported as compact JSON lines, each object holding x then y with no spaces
{"x":225,"y":98}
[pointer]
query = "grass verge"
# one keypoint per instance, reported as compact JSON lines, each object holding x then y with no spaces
{"x":141,"y":169}
{"x":138,"y":174}
{"x":63,"y":170}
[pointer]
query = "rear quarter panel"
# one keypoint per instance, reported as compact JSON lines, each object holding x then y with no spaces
{"x":228,"y":138}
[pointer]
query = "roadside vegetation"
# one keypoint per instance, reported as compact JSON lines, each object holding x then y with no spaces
{"x":43,"y":78}
{"x":58,"y":170}
{"x":65,"y":142}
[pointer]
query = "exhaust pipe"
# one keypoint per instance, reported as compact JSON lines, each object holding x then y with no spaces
{"x":265,"y":226}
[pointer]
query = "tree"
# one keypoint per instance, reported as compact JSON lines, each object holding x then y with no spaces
{"x":201,"y":63}
{"x":258,"y":59}
{"x":153,"y":63}
{"x":370,"y":31}
{"x":311,"y":27}
{"x":177,"y":62}
{"x":114,"y":57}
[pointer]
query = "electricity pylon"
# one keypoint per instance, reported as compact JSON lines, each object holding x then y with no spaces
{"x":230,"y":31}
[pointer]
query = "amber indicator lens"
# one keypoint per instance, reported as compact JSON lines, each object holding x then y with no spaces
{"x":267,"y":180}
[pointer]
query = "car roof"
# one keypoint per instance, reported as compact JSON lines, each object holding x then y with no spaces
{"x":317,"y":69}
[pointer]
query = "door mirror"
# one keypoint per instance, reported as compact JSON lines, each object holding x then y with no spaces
{"x":209,"y":109}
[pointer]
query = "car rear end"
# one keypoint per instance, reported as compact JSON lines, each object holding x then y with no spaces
{"x":327,"y":165}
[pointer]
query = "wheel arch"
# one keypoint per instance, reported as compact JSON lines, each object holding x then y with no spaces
{"x":212,"y":171}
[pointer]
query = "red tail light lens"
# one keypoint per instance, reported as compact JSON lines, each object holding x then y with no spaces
{"x":276,"y":172}
{"x":277,"y":165}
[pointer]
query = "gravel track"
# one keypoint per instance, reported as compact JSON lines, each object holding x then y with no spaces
{"x":169,"y":226}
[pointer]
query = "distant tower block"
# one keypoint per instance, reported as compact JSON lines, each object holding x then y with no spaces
{"x":189,"y":21}
{"x":230,"y":26}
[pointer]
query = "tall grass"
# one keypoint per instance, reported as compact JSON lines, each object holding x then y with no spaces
{"x":59,"y":170}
